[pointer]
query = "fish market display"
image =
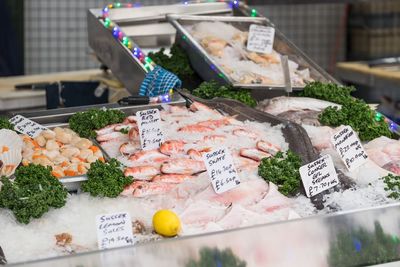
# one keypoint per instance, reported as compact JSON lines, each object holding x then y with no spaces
{"x":63,"y":150}
{"x":227,"y":46}
{"x":171,"y":177}
{"x":174,"y":177}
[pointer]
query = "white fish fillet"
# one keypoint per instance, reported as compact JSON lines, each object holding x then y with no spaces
{"x":282,"y":104}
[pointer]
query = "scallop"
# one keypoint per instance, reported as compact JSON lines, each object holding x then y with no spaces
{"x":48,"y":134}
{"x":60,"y":159}
{"x":91,"y":159}
{"x":52,"y":145}
{"x":41,"y":140}
{"x":44,"y":161}
{"x":51,"y":154}
{"x":83,"y":143}
{"x":62,"y":136}
{"x":75,"y":139}
{"x":70,"y":152}
{"x":85,"y":153}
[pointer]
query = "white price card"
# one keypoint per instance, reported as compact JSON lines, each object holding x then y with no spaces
{"x":26,"y":126}
{"x":349,"y":147}
{"x":114,"y":230}
{"x":261,"y":39}
{"x":319,"y":176}
{"x":221,"y":170}
{"x":150,"y":132}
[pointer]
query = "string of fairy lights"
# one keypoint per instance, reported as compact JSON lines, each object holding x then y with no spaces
{"x":148,"y":63}
{"x":136,"y":52}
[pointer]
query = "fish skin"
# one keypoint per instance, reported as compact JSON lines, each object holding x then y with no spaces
{"x":254,"y":154}
{"x":129,"y":148}
{"x":183,"y":166}
{"x":195,"y":128}
{"x":172,"y":147}
{"x":142,"y":172}
{"x":110,"y":136}
{"x":148,"y":155}
{"x":172,"y":178}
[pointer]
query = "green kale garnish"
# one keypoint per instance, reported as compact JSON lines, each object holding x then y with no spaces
{"x":33,"y":192}
{"x":124,"y":130}
{"x":328,"y":92}
{"x":282,"y":170}
{"x":359,"y":116}
{"x":178,"y":63}
{"x":354,"y":112}
{"x":215,"y":257}
{"x":84,"y":123}
{"x":209,"y":90}
{"x":6,"y":124}
{"x":105,"y":179}
{"x":393,"y":185}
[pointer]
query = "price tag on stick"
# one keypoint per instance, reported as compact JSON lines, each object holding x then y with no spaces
{"x":261,"y":39}
{"x":221,"y":170}
{"x":349,"y":148}
{"x":319,"y":176}
{"x":114,"y":230}
{"x":26,"y":126}
{"x":150,"y":132}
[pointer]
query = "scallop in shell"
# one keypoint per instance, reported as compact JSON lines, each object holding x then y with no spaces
{"x":10,"y":140}
{"x":10,"y":161}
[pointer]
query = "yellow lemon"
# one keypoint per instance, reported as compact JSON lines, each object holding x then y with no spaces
{"x":166,"y":223}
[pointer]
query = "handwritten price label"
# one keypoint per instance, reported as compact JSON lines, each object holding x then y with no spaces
{"x":26,"y":126}
{"x":114,"y":230}
{"x":349,"y":148}
{"x":261,"y":39}
{"x":150,"y":133}
{"x":319,"y":176}
{"x":221,"y":170}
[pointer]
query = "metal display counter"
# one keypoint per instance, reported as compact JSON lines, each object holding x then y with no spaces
{"x":357,"y":238}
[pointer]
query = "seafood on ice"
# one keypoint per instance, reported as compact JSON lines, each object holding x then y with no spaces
{"x":227,"y":45}
{"x":63,"y":150}
{"x":189,"y":133}
{"x":302,"y":110}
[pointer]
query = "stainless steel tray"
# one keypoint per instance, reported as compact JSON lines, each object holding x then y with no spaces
{"x":147,"y":29}
{"x":208,"y":69}
{"x":293,"y":133}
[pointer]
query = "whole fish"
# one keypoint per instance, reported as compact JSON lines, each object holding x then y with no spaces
{"x":282,"y":104}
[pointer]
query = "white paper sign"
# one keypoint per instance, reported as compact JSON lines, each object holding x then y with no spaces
{"x":27,"y":126}
{"x":261,"y":39}
{"x":221,"y":170}
{"x":150,"y":132}
{"x":349,"y":148}
{"x":114,"y":230}
{"x":319,"y":176}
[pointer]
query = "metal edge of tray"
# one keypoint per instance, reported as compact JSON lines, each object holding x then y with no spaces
{"x":207,"y":67}
{"x":62,"y":115}
{"x":117,"y":57}
{"x":215,"y":8}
